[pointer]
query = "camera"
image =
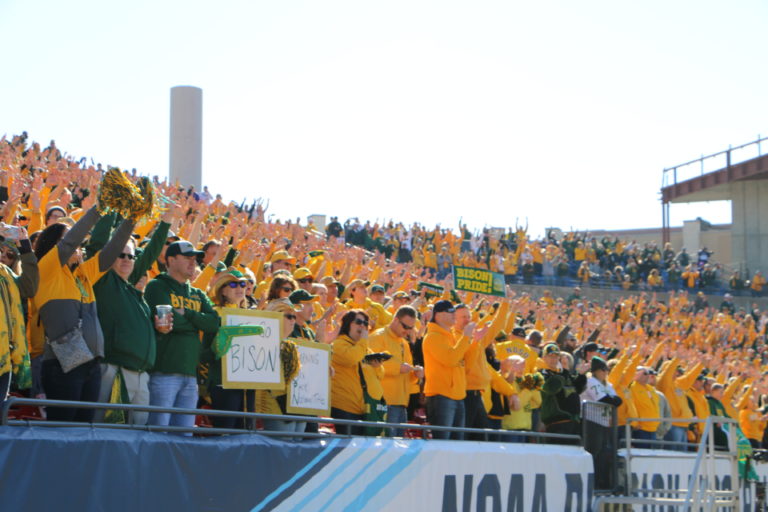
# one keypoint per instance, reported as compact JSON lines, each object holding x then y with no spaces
{"x":10,"y":232}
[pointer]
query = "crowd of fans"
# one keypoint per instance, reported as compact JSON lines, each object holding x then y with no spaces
{"x":571,"y":259}
{"x":100,"y":308}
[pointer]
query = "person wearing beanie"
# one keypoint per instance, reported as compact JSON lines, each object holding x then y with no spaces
{"x":561,"y":403}
{"x":598,"y":388}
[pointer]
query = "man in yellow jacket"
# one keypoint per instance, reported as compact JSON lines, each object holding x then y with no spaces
{"x":399,"y":371}
{"x":446,"y":385}
{"x":675,"y":388}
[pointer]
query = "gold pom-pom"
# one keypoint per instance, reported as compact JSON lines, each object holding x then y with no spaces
{"x":289,"y":356}
{"x":118,"y":194}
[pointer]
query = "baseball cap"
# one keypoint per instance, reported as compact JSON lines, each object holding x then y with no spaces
{"x":299,"y":296}
{"x":597,"y":363}
{"x":591,"y":347}
{"x":550,"y":348}
{"x":182,"y":248}
{"x":400,"y":295}
{"x":377,"y":288}
{"x":280,"y":256}
{"x":302,"y":273}
{"x":519,"y":332}
{"x":443,"y":306}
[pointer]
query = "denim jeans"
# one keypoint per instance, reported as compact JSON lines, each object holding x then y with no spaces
{"x":341,"y":414}
{"x":171,"y":390}
{"x":678,"y":435}
{"x":285,"y":426}
{"x":474,"y":414}
{"x":644,"y":435}
{"x":396,"y":414}
{"x":442,"y":411}
{"x":79,"y":384}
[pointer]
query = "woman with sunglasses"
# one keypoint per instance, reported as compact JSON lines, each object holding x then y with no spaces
{"x":275,"y":401}
{"x":282,"y":287}
{"x":349,"y":350}
{"x":227,"y":291}
{"x":126,"y":319}
{"x":66,"y":300}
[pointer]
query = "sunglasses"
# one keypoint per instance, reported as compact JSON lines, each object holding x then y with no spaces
{"x":405,"y":326}
{"x":290,"y":317}
{"x":360,"y":321}
{"x":236,"y":284}
{"x":306,"y":280}
{"x":287,"y":289}
{"x":126,"y":256}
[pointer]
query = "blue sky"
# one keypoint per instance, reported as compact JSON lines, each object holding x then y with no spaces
{"x":561,"y":112}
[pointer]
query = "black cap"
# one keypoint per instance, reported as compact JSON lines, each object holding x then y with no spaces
{"x":182,"y":248}
{"x":591,"y":347}
{"x":519,"y":332}
{"x":597,"y":363}
{"x":299,"y":296}
{"x":443,"y":306}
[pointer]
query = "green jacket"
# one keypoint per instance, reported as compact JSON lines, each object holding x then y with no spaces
{"x":124,"y":315}
{"x":179,"y":350}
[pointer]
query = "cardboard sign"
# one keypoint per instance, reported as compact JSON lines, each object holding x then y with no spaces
{"x":310,"y":391}
{"x":478,"y":280}
{"x":253,"y":361}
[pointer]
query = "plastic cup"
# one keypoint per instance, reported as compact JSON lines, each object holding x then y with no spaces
{"x":164,"y":313}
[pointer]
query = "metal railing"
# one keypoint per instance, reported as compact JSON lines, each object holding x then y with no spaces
{"x":671,"y":174}
{"x":487,"y":434}
{"x":701,"y":491}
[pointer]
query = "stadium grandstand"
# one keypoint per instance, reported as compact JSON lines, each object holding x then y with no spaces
{"x":155,"y":333}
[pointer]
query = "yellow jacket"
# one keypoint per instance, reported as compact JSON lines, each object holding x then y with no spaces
{"x":751,"y":424}
{"x":475,"y":362}
{"x":675,"y":389}
{"x":646,"y":403}
{"x":13,"y":342}
{"x":346,"y":390}
{"x":396,"y":385}
{"x":701,"y":406}
{"x":444,"y":363}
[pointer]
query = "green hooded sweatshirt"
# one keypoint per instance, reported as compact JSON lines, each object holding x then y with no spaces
{"x":179,"y":350}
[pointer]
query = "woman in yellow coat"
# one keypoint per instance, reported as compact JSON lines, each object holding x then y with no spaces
{"x":349,"y":351}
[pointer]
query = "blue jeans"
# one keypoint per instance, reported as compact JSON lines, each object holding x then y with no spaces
{"x":396,"y":414}
{"x":442,"y":411}
{"x":644,"y":435}
{"x":678,"y":435}
{"x":285,"y":426}
{"x":172,"y":390}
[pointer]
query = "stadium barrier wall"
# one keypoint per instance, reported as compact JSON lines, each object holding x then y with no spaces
{"x":75,"y":468}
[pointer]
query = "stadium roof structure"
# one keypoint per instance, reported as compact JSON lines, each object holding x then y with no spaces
{"x":734,"y":175}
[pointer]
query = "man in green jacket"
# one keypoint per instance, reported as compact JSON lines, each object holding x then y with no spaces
{"x":126,"y":319}
{"x":173,"y":381}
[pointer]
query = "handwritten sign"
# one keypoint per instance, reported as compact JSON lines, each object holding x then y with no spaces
{"x":310,"y":391}
{"x":253,"y":361}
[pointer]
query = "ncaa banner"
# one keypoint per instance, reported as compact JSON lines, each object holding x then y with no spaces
{"x":130,"y":470}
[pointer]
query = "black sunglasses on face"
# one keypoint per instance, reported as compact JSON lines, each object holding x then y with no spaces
{"x":306,"y":280}
{"x":360,"y":321}
{"x":405,"y":326}
{"x":290,"y":317}
{"x":235,"y":284}
{"x":287,"y":289}
{"x":126,"y":256}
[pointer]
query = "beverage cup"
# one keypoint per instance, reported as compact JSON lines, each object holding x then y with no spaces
{"x":164,"y":313}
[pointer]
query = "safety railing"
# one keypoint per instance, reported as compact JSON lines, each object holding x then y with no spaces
{"x":486,"y":434}
{"x":701,"y":492}
{"x":708,"y":163}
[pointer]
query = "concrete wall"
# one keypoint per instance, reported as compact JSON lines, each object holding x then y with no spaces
{"x":749,"y":238}
{"x":186,"y":139}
